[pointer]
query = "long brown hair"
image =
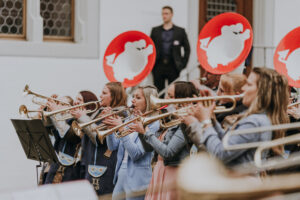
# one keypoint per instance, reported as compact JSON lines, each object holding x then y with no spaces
{"x":118,"y":94}
{"x":272,"y":98}
{"x":88,"y":96}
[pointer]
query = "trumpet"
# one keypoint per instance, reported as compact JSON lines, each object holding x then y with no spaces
{"x":254,"y":130}
{"x":145,"y":121}
{"x":27,"y":91}
{"x":47,"y":114}
{"x":156,"y":102}
{"x":77,"y":127}
{"x":23,"y":110}
{"x":293,"y":104}
{"x":276,"y":163}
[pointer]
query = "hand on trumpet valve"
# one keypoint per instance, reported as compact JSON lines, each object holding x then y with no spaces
{"x":137,"y":126}
{"x":204,"y":109}
{"x":106,"y":111}
{"x":78,"y":112}
{"x":136,"y":112}
{"x":52,"y":105}
{"x":113,"y":121}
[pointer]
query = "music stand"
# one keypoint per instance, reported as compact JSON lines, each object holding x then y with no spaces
{"x":34,"y":138}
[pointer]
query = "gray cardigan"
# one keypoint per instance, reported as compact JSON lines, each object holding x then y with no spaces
{"x":174,"y":147}
{"x":212,"y":139}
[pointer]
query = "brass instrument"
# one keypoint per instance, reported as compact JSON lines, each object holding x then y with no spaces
{"x":145,"y":120}
{"x":204,"y":177}
{"x":276,"y":163}
{"x":252,"y":131}
{"x":77,"y":127}
{"x":23,"y":110}
{"x":35,"y":101}
{"x":47,"y":114}
{"x":156,"y":102}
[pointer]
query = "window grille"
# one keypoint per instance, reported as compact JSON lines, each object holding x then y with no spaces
{"x":216,"y":7}
{"x":12,"y":18}
{"x":58,"y":18}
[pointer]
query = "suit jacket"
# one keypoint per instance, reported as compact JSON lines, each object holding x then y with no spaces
{"x":180,"y":40}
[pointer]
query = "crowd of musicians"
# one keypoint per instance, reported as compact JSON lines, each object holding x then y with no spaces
{"x":147,"y":157}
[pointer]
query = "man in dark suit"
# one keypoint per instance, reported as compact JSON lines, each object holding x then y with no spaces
{"x":169,"y":41}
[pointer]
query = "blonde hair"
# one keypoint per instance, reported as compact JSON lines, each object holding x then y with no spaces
{"x":272,"y":98}
{"x":233,"y":83}
{"x":148,"y":90}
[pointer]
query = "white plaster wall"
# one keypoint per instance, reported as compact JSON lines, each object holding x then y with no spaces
{"x":286,"y":18}
{"x":273,"y":19}
{"x":68,"y":76}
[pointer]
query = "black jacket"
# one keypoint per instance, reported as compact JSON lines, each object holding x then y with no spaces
{"x":179,"y":40}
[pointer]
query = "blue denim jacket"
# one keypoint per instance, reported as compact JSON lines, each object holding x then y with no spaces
{"x":139,"y":171}
{"x":212,"y":139}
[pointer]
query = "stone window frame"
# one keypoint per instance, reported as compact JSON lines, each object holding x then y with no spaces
{"x":86,"y":34}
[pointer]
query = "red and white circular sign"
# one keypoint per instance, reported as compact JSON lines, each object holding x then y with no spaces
{"x":129,"y":58}
{"x":287,"y":57}
{"x":224,"y":43}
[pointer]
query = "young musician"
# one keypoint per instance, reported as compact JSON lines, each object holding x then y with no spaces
{"x":133,"y":169}
{"x":171,"y":146}
{"x":66,"y":145}
{"x":266,"y":96}
{"x":98,"y":161}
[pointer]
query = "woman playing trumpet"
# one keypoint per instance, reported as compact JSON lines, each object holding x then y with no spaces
{"x":171,"y":147}
{"x":266,"y":96}
{"x":98,"y":162}
{"x":133,"y":169}
{"x":65,"y":145}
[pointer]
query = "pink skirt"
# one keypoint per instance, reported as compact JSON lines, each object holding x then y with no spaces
{"x":163,"y":182}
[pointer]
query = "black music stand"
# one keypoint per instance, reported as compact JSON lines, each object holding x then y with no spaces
{"x":34,"y":138}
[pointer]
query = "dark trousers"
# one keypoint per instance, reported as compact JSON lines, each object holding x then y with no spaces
{"x":161,"y":72}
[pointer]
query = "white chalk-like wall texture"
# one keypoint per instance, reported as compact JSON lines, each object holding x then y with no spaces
{"x":66,"y":74}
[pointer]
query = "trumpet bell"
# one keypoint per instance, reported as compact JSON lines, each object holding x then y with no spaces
{"x":23,"y":110}
{"x":102,"y":134}
{"x":77,"y":129}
